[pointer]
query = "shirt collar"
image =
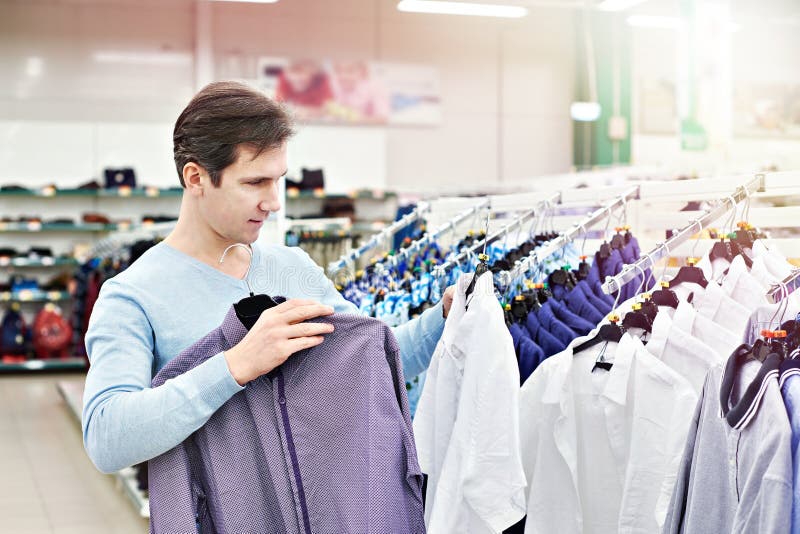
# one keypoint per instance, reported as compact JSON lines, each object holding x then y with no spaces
{"x":684,"y":317}
{"x":232,"y":328}
{"x":559,"y":386}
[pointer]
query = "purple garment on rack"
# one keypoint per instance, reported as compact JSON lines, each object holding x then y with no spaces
{"x":323,"y":443}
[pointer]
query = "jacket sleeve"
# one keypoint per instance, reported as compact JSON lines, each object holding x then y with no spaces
{"x":124,"y":420}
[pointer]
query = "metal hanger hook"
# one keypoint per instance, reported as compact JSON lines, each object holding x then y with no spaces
{"x":249,"y":250}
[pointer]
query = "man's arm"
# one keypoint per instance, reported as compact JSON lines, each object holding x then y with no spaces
{"x":125,"y":421}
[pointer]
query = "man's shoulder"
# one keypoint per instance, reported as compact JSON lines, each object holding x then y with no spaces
{"x":151,"y":268}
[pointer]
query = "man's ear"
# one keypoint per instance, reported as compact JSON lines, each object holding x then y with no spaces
{"x":193,"y":175}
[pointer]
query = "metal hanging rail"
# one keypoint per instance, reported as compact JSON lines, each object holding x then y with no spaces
{"x":378,"y":238}
{"x":539,"y":255}
{"x":780,"y":291}
{"x":449,"y":226}
{"x":519,"y":221}
{"x":646,"y":261}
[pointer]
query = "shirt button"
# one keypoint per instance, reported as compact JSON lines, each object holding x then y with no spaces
{"x":282,"y":400}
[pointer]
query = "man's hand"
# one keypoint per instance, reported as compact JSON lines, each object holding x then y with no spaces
{"x":279,"y":332}
{"x":447,"y":300}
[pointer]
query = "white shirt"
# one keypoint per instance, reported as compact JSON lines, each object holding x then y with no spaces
{"x":716,"y":336}
{"x":467,"y":422}
{"x":722,"y":309}
{"x":601,"y":449}
{"x":682,"y":352}
{"x":742,"y":286}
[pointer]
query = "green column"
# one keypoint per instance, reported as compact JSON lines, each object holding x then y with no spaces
{"x":612,"y":55}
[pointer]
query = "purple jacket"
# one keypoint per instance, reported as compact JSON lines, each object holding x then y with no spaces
{"x":323,"y":444}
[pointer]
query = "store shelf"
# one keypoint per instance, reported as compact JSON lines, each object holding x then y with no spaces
{"x":34,"y":295}
{"x":72,"y":392}
{"x":364,"y":194}
{"x":44,"y":262}
{"x":44,"y":365}
{"x":122,"y":192}
{"x":85,"y":227}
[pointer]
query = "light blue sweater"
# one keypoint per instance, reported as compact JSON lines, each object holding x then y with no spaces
{"x":164,"y":303}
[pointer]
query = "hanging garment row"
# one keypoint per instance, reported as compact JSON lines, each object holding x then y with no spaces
{"x":603,"y":438}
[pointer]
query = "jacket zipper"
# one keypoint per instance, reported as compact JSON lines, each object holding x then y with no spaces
{"x":293,"y":454}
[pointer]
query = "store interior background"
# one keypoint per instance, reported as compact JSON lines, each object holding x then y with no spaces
{"x":68,"y":109}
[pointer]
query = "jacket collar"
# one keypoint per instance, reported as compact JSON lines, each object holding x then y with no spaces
{"x":740,"y":415}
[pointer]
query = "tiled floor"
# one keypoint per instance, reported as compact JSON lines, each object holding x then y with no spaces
{"x":47,"y":483}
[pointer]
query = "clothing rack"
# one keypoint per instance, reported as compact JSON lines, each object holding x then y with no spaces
{"x":114,"y":243}
{"x":519,"y":221}
{"x":778,"y":292}
{"x":538,"y":256}
{"x":380,"y":237}
{"x":428,"y":238}
{"x":646,"y":261}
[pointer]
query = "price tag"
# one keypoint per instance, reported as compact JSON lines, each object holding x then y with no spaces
{"x":124,"y":191}
{"x":48,"y":191}
{"x":152,"y":192}
{"x":25,"y":295}
{"x":48,"y":260}
{"x":5,"y":261}
{"x":54,"y":295}
{"x":34,"y":226}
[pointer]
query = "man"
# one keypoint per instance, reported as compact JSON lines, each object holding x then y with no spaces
{"x":230,"y":152}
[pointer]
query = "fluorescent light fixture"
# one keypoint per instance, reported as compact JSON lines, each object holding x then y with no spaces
{"x":34,"y":66}
{"x":666,"y":23}
{"x":618,"y":5}
{"x":585,"y":111}
{"x":461,"y":8}
{"x":143,"y":58}
{"x":651,"y":21}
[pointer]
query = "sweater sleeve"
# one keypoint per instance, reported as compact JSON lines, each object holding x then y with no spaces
{"x":417,"y":338}
{"x":124,"y":420}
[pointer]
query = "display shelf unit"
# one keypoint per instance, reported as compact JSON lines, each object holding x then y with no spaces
{"x":360,"y":194}
{"x":72,"y":392}
{"x":68,"y":364}
{"x":35,"y":227}
{"x":43,"y":262}
{"x":35,"y":295}
{"x":121,"y":192}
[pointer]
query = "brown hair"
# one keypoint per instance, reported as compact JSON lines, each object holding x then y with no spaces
{"x":220,"y":118}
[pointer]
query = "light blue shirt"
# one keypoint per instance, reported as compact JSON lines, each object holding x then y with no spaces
{"x":790,"y":388}
{"x":162,"y":304}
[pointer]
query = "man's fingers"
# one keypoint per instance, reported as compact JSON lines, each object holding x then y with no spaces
{"x":291,"y":304}
{"x":307,"y":330}
{"x":309,"y":311}
{"x":302,"y":343}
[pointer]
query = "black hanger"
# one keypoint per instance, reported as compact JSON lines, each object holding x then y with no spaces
{"x":721,"y":250}
{"x":690,"y":274}
{"x":480,"y":269}
{"x":637,"y":319}
{"x":583,"y":269}
{"x":618,"y":240}
{"x":249,"y":309}
{"x":665,"y":297}
{"x":610,"y":332}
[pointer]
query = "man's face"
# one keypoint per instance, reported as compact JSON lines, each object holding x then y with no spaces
{"x":249,"y":191}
